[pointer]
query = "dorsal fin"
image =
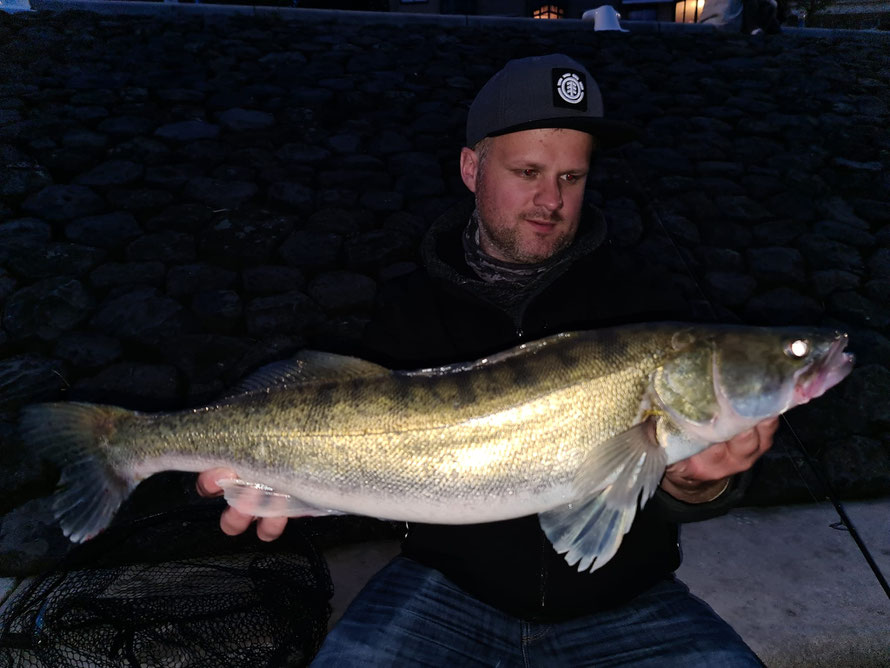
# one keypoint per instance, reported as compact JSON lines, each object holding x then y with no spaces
{"x":306,"y":367}
{"x":523,"y":349}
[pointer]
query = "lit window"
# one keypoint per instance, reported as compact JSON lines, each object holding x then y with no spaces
{"x":549,"y":12}
{"x":688,"y":11}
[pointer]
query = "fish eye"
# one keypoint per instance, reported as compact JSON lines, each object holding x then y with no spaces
{"x":797,"y":348}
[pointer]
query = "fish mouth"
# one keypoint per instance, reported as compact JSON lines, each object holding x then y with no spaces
{"x":827,"y":372}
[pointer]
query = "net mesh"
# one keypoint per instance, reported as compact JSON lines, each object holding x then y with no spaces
{"x":172,"y":590}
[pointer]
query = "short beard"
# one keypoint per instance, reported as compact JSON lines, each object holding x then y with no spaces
{"x":506,"y":241}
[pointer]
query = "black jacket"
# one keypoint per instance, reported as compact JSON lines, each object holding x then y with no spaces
{"x":444,"y":314}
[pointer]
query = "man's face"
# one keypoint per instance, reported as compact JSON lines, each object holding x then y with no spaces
{"x":529,"y":191}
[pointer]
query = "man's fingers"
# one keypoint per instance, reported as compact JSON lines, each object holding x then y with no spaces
{"x":270,"y":528}
{"x":233,"y":522}
{"x":206,"y":482}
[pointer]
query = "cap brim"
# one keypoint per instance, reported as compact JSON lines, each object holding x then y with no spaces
{"x":609,"y":134}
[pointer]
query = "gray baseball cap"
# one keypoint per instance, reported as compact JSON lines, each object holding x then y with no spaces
{"x":551,"y":91}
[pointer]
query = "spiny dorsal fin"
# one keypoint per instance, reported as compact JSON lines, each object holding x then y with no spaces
{"x":306,"y":367}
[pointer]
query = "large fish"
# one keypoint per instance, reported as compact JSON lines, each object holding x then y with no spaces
{"x":577,"y":428}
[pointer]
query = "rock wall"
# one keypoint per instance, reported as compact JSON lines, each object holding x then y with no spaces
{"x":184,"y":200}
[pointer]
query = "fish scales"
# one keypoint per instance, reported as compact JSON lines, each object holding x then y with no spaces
{"x":348,"y":431}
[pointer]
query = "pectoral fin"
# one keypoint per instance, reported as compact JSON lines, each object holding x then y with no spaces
{"x":261,"y":500}
{"x":618,"y":475}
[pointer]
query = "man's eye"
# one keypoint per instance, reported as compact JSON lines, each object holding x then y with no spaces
{"x":570,"y":178}
{"x":528,"y":173}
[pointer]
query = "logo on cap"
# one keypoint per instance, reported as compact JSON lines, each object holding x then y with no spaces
{"x":568,"y":89}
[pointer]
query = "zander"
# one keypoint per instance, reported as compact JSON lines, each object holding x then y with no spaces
{"x":577,"y":428}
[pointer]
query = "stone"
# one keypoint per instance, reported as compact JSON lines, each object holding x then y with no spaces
{"x":19,"y":179}
{"x":190,"y":279}
{"x":46,"y":308}
{"x":857,"y":309}
{"x":291,"y":196}
{"x":782,"y":306}
{"x":784,"y":266}
{"x":117,"y":274}
{"x":141,"y":316}
{"x":729,"y":288}
{"x":874,"y":211}
{"x":236,"y":241}
{"x":377,"y":248}
{"x":379,"y":200}
{"x":55,"y":259}
{"x":272,"y":279}
{"x":344,"y":143}
{"x":29,"y":378}
{"x":63,"y":202}
{"x":720,"y":259}
{"x":164,"y":246}
{"x":112,"y":173}
{"x":681,"y":229}
{"x":171,"y":176}
{"x":291,"y":313}
{"x":109,"y":230}
{"x":879,"y":290}
{"x":126,"y":126}
{"x":187,"y":131}
{"x":413,"y":162}
{"x":828,"y":281}
{"x":823,"y":253}
{"x":87,"y":350}
{"x":245,"y":119}
{"x":302,"y":153}
{"x":841,"y":211}
{"x":420,"y":185}
{"x":844,"y":232}
{"x":205,"y":358}
{"x":140,"y":200}
{"x":21,"y":235}
{"x":879,"y":263}
{"x":85,"y":139}
{"x":143,"y":150}
{"x":218,"y":310}
{"x":146,"y":387}
{"x":220,"y":194}
{"x":343,"y":291}
{"x":778,"y":232}
{"x":186,"y":217}
{"x":311,"y":249}
{"x":740,"y":207}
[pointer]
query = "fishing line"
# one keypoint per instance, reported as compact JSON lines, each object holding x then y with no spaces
{"x":821,"y":478}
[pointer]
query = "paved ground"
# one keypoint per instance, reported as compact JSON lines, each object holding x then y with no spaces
{"x":790,"y":581}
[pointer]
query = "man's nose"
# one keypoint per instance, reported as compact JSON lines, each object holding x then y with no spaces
{"x":549,"y":195}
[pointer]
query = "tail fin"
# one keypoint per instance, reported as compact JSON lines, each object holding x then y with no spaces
{"x":75,"y":436}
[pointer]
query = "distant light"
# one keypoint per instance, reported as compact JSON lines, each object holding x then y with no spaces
{"x":549,"y":12}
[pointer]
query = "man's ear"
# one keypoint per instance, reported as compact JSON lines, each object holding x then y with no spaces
{"x":469,"y":165}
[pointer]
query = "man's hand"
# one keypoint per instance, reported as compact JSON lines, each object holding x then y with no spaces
{"x":231,"y":521}
{"x":703,"y":477}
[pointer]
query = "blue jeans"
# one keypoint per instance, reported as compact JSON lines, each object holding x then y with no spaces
{"x":411,"y":615}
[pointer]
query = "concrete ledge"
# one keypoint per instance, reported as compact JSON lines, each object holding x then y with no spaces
{"x":164,"y":9}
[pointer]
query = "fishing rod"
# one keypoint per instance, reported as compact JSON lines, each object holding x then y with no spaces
{"x":822,"y":479}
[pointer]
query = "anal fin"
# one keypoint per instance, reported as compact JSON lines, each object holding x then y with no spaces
{"x":259,"y":500}
{"x":616,"y":477}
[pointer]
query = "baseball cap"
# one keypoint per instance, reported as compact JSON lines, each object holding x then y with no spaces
{"x":552,"y":91}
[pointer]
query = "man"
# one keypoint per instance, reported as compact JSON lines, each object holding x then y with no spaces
{"x":525,"y":260}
